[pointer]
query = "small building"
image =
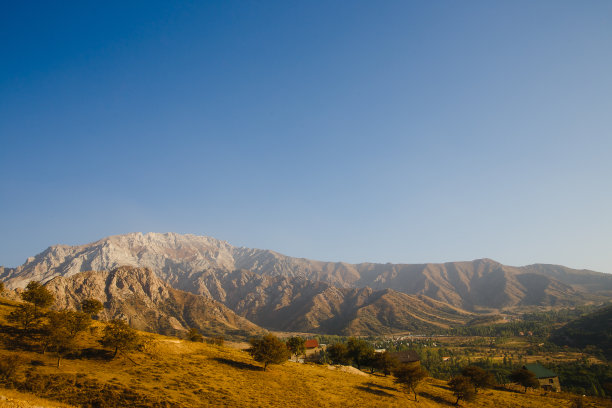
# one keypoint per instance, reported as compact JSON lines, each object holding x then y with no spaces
{"x":311,"y":344}
{"x":549,"y":381}
{"x":406,"y":356}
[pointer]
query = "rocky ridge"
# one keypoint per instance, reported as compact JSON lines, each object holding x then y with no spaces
{"x":182,"y":260}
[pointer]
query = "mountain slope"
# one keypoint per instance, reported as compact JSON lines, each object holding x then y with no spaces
{"x":480,"y":284}
{"x":297,"y":304}
{"x":593,"y":329}
{"x":148,"y":303}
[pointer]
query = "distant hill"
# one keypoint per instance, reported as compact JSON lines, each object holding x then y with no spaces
{"x":148,"y":303}
{"x":473,"y":285}
{"x":593,"y":329}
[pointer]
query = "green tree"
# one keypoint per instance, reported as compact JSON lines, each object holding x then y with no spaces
{"x":360,"y":351}
{"x":1,"y":288}
{"x":119,"y":336}
{"x":525,"y":378}
{"x":409,"y":376}
{"x":61,"y":331}
{"x":384,"y":362}
{"x":194,"y":335}
{"x":338,"y":354}
{"x":24,"y":315}
{"x":38,"y":295}
{"x":296,"y":345}
{"x":269,"y":350}
{"x":91,"y":307}
{"x":462,"y":388}
{"x":479,"y":377}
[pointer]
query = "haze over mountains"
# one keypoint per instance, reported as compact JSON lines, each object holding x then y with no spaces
{"x":285,"y":293}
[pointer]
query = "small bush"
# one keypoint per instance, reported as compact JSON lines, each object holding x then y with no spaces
{"x":217,"y":341}
{"x":9,"y":369}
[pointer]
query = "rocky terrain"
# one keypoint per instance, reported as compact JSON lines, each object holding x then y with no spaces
{"x":298,"y":304}
{"x":185,"y":261}
{"x":138,"y":296}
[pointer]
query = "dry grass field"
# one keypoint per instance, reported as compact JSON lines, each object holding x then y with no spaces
{"x":168,"y":372}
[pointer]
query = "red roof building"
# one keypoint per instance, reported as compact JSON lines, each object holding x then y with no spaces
{"x":310,"y":344}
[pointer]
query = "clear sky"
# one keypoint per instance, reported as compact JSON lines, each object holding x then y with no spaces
{"x":385,"y":131}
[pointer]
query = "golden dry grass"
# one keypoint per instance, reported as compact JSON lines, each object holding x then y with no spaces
{"x":186,"y":374}
{"x":15,"y":399}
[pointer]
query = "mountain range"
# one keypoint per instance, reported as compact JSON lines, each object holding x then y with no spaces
{"x":285,"y":293}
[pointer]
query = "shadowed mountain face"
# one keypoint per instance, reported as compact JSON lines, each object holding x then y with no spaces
{"x":148,"y":303}
{"x":297,"y":304}
{"x":593,"y":329}
{"x":183,"y":260}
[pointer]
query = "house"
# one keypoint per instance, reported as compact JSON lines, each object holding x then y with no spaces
{"x":406,"y":356}
{"x":311,"y":344}
{"x":549,"y":381}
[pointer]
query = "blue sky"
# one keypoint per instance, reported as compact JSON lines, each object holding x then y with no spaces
{"x":405,"y":131}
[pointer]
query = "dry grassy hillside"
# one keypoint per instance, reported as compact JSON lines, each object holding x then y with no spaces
{"x":168,"y":372}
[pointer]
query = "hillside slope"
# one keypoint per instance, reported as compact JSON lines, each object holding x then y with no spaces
{"x":593,"y":329}
{"x":168,"y":372}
